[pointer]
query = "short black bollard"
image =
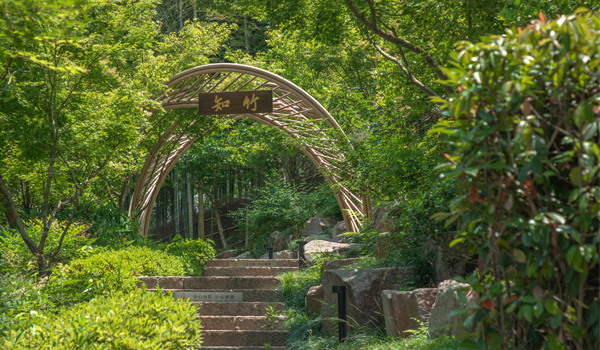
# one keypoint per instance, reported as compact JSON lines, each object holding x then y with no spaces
{"x":342,"y":325}
{"x":301,"y":257}
{"x":270,"y":252}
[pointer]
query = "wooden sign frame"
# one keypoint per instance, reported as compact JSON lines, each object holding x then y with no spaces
{"x":237,"y":102}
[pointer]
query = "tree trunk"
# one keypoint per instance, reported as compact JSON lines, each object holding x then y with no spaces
{"x":217,"y":216}
{"x":190,"y":206}
{"x":176,"y":200}
{"x":201,"y":233}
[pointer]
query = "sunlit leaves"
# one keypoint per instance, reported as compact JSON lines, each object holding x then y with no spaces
{"x":527,"y":105}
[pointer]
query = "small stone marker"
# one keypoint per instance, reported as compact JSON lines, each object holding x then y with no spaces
{"x":253,"y":263}
{"x":215,"y":297}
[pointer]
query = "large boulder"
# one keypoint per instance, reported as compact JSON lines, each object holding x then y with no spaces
{"x":313,"y":248}
{"x":284,"y":254}
{"x":314,"y":299}
{"x":446,"y":300}
{"x":339,"y":263}
{"x":244,"y":255}
{"x":227,"y":254}
{"x":338,"y":229}
{"x":363,"y":295}
{"x":280,"y":240}
{"x":404,"y":310}
{"x":315,"y":226}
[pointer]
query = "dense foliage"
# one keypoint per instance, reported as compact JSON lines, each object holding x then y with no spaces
{"x":524,"y":130}
{"x":78,"y":117}
{"x":124,"y":320}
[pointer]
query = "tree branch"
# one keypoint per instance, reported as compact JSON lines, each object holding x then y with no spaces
{"x":405,"y":70}
{"x":372,"y":25}
{"x":20,"y":227}
{"x":10,"y":77}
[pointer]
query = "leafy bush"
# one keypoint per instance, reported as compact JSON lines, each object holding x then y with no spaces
{"x":373,"y":340}
{"x":279,"y":206}
{"x":19,"y":294}
{"x":525,"y":127}
{"x":113,"y":270}
{"x":15,"y":253}
{"x":193,"y":254}
{"x":112,"y":227}
{"x":125,"y":320}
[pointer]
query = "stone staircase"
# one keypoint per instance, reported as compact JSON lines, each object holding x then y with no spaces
{"x":239,"y":303}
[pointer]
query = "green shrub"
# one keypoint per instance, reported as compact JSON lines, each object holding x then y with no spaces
{"x":15,"y":253}
{"x":111,"y":227}
{"x":19,"y":294}
{"x":125,"y":320}
{"x":278,"y":206}
{"x":372,"y":340}
{"x":193,"y":254}
{"x":109,"y":271}
{"x":524,"y":129}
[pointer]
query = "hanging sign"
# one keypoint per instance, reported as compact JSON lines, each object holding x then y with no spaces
{"x":239,"y":102}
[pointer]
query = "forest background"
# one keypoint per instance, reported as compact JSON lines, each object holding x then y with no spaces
{"x":77,"y":86}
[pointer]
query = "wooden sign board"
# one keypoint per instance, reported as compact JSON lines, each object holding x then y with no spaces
{"x":253,"y":263}
{"x":239,"y":102}
{"x":213,"y":297}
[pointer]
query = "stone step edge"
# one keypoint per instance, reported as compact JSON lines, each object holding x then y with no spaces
{"x":202,"y":282}
{"x":237,"y":309}
{"x":242,"y":322}
{"x":228,"y":262}
{"x":249,"y":271}
{"x":241,"y":348}
{"x":233,"y":338}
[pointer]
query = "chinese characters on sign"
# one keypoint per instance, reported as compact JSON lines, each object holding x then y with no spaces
{"x":220,"y":104}
{"x":239,"y":102}
{"x":222,"y":297}
{"x":253,"y":263}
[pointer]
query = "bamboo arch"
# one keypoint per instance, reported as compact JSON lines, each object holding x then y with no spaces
{"x":295,"y":112}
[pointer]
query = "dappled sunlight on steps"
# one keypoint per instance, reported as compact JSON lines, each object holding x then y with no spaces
{"x":239,"y":302}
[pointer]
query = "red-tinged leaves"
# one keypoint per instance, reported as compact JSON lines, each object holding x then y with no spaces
{"x":480,"y":264}
{"x":473,"y":194}
{"x":538,"y":292}
{"x":488,"y":304}
{"x":510,"y":299}
{"x":554,"y":239}
{"x":542,"y":18}
{"x":526,"y":107}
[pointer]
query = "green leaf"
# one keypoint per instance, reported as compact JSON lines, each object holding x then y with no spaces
{"x":555,"y":320}
{"x":556,"y":217}
{"x":519,"y":256}
{"x":538,"y":309}
{"x":584,"y":113}
{"x":552,"y":307}
{"x":575,"y":175}
{"x":457,"y":241}
{"x":527,"y":312}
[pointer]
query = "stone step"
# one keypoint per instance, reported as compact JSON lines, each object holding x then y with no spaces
{"x":252,"y":263}
{"x":243,"y":338}
{"x":242,"y":348}
{"x":213,"y":282}
{"x":239,"y":295}
{"x":238,"y":323}
{"x":247,"y":271}
{"x":236,"y":309}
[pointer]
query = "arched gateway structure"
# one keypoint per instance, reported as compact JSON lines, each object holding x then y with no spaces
{"x":241,"y":91}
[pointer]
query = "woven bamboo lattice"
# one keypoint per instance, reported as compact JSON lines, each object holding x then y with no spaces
{"x":295,"y":113}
